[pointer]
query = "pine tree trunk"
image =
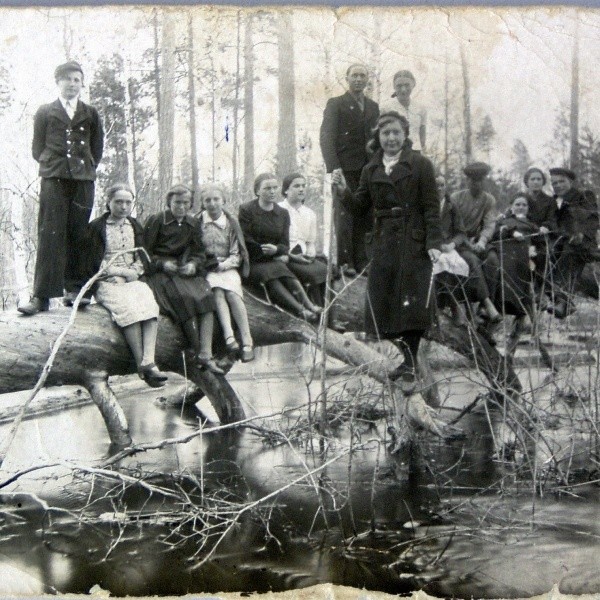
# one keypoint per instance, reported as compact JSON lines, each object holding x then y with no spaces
{"x":286,"y":134}
{"x":466,"y":106}
{"x":192,"y":103}
{"x":248,"y":108}
{"x":574,"y":121}
{"x":166,"y":121}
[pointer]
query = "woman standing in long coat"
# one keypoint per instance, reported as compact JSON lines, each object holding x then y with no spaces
{"x":399,"y":184}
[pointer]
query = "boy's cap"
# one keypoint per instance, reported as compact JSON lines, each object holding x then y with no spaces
{"x":67,"y":67}
{"x":564,"y":172}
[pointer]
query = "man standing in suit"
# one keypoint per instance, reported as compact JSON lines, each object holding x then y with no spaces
{"x":345,"y":131}
{"x":68,"y":140}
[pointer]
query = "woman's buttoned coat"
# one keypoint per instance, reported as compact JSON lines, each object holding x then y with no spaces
{"x":400,"y":271}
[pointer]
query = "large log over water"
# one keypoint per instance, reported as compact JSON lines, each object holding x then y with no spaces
{"x":94,"y":348}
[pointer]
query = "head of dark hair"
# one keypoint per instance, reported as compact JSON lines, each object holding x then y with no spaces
{"x":287,"y":181}
{"x":113,"y":189}
{"x":404,"y":73}
{"x":259,"y":179}
{"x":210,"y":187}
{"x":356,"y":66}
{"x":179,"y":189}
{"x":385,"y":118}
{"x":530,"y":172}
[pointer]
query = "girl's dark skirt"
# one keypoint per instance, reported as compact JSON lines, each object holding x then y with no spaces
{"x":313,"y":274}
{"x":263,"y":272}
{"x":182,"y":298}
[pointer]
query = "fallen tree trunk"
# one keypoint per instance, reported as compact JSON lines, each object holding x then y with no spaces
{"x":95,"y":348}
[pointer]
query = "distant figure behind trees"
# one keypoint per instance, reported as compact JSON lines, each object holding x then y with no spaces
{"x":348,"y":121}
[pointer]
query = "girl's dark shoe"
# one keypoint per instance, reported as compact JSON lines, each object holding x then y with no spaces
{"x":247,"y":354}
{"x":208,"y":363}
{"x":231,"y":344}
{"x":152,"y":376}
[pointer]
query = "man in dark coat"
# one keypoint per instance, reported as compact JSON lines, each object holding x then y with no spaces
{"x":577,"y":225}
{"x":347,"y":124}
{"x":67,"y":143}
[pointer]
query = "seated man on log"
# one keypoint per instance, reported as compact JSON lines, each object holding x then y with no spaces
{"x":477,"y":209}
{"x":575,"y":241}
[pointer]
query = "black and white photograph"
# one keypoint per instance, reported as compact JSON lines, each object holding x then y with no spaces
{"x":300,"y":300}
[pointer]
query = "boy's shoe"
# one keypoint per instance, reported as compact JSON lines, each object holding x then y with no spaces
{"x":34,"y":306}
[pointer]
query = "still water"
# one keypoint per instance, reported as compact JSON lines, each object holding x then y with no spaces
{"x":440,"y":521}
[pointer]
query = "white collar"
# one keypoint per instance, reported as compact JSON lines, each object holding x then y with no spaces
{"x":72,"y":102}
{"x":220,"y":222}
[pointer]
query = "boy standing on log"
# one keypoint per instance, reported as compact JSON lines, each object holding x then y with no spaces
{"x":68,"y":140}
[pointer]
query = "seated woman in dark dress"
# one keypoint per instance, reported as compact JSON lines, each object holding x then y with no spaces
{"x":303,"y":237}
{"x":266,"y":228}
{"x":514,"y":240}
{"x":174,"y":241}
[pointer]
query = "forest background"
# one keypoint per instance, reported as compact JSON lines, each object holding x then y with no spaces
{"x":199,"y":94}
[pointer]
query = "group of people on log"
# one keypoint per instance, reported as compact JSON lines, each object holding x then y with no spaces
{"x":482,"y":264}
{"x":395,"y":222}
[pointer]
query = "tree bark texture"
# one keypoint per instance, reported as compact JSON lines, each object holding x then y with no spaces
{"x":248,"y":107}
{"x":166,"y":117}
{"x":95,"y":345}
{"x":286,"y":134}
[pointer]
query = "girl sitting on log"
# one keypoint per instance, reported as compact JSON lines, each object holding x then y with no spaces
{"x":177,"y":270}
{"x":129,"y":300}
{"x":303,"y":237}
{"x":513,"y":240}
{"x":266,"y":228}
{"x":223,"y":238}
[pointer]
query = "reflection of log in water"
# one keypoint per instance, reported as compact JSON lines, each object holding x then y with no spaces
{"x":95,"y":348}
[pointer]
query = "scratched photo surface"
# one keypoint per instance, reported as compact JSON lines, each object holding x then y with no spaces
{"x":466,"y":469}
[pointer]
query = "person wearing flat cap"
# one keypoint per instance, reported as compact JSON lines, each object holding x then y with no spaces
{"x":404,"y":82}
{"x":477,"y":209}
{"x":68,"y":141}
{"x":577,"y":225}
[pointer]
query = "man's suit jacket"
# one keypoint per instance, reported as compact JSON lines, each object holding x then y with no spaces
{"x":67,"y":148}
{"x":345,"y":131}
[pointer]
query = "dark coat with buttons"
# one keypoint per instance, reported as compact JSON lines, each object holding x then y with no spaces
{"x":67,"y":148}
{"x":345,"y":131}
{"x":400,"y":271}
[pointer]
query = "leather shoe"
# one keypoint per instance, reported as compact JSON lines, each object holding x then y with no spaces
{"x":208,"y":363}
{"x":152,"y":376}
{"x":247,"y":354}
{"x":34,"y":306}
{"x":70,"y":298}
{"x":231,"y":344}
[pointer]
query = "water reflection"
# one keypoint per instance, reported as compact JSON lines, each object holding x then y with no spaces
{"x":354,"y":522}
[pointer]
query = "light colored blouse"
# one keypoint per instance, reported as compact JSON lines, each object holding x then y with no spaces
{"x":219,"y":239}
{"x":120,"y":236}
{"x":303,"y":228}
